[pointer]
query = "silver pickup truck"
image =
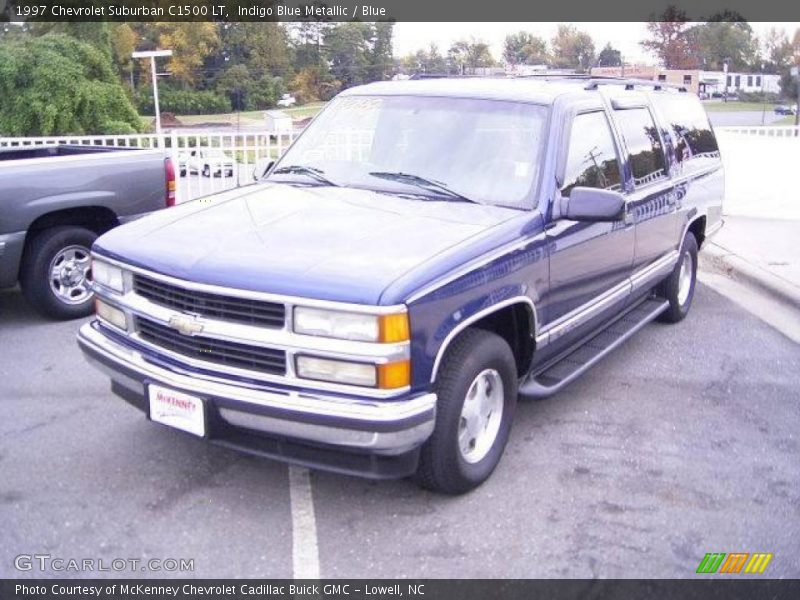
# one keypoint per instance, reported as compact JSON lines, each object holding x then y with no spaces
{"x":54,"y":202}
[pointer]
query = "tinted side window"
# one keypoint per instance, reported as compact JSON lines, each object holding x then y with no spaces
{"x":644,"y":144}
{"x":591,"y":156}
{"x":695,"y":144}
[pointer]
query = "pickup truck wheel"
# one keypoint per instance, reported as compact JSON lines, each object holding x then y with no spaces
{"x":678,"y":288}
{"x":55,"y":272}
{"x":206,"y":171}
{"x":477,"y":395}
{"x":183,"y":172}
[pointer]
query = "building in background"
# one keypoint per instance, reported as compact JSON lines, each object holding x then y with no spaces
{"x":704,"y":83}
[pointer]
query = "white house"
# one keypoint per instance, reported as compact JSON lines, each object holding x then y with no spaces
{"x":278,"y":121}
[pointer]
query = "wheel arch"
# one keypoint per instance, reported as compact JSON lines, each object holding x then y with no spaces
{"x":514,"y":319}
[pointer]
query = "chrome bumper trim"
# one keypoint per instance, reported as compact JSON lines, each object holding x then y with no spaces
{"x":299,"y":412}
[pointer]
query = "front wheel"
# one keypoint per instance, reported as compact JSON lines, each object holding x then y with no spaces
{"x":477,"y":396}
{"x":678,"y":288}
{"x":206,"y":171}
{"x":55,"y":272}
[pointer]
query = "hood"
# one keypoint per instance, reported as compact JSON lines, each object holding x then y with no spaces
{"x":338,"y":244}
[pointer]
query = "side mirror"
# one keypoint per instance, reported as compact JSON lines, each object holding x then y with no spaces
{"x":262,"y":166}
{"x":593,"y":204}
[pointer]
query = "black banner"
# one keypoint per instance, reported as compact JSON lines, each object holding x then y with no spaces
{"x":710,"y":588}
{"x":395,"y":10}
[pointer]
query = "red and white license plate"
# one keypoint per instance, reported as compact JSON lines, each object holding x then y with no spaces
{"x":177,"y":409}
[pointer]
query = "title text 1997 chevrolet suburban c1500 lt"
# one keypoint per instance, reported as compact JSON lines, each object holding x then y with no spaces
{"x":426,"y":252}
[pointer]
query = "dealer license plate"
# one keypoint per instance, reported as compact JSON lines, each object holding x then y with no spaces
{"x":177,"y":409}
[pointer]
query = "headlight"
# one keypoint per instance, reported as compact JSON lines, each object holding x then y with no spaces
{"x":336,"y":371}
{"x":110,"y":314}
{"x":351,"y":326}
{"x":108,"y":275}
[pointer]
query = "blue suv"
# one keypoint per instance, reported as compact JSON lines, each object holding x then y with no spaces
{"x":426,"y":253}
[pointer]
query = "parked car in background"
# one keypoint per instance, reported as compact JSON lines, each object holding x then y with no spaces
{"x":424,"y":254}
{"x":210,"y":162}
{"x":783,"y":109}
{"x":54,"y":202}
{"x":286,"y":101}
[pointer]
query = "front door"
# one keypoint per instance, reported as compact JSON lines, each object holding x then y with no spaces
{"x":590,"y":263}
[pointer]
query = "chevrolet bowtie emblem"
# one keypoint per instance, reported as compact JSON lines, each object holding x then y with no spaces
{"x":185,"y":324}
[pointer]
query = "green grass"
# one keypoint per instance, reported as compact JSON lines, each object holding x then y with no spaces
{"x":736,"y":106}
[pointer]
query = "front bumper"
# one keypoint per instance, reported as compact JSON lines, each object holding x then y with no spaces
{"x":364,"y":436}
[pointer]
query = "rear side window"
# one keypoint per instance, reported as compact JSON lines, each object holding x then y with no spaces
{"x":591,"y":155}
{"x":644,"y":145}
{"x":694,"y":141}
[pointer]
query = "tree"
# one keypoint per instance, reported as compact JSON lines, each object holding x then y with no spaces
{"x":469,"y":55}
{"x":777,"y":51}
{"x":719,"y":41}
{"x":380,"y":56}
{"x":425,"y":61}
{"x":56,"y":85}
{"x":669,"y":42}
{"x":347,"y":48}
{"x":572,"y":49}
{"x":524,"y":48}
{"x":191,"y":43}
{"x":609,"y":57}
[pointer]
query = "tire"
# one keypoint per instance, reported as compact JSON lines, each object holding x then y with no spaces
{"x":674,"y":289}
{"x":183,"y":172}
{"x":451,"y":462}
{"x":206,"y":171}
{"x":69,"y":296}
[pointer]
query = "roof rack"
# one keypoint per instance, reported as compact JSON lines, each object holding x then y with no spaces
{"x":595,"y":81}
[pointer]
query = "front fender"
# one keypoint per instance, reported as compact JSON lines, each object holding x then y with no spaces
{"x":516,"y":274}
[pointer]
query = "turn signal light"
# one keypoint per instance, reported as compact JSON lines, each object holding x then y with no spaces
{"x":394,"y":328}
{"x":394,"y":375}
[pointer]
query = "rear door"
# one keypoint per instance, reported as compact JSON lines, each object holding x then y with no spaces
{"x":651,"y":199}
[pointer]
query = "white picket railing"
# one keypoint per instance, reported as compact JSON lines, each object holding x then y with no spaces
{"x":244,"y":148}
{"x":762,"y":130}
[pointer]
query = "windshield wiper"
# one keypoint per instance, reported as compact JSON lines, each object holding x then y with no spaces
{"x":422,"y":182}
{"x":312,"y":172}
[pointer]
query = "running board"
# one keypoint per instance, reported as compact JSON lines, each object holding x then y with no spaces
{"x":555,"y":377}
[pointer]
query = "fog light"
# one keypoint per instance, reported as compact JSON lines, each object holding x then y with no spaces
{"x":336,"y":371}
{"x":111,"y":315}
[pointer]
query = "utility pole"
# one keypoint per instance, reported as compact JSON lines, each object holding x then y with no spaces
{"x":796,"y":74}
{"x":152,"y":55}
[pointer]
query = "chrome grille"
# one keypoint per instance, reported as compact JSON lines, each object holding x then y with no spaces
{"x":244,"y":356}
{"x":217,"y":306}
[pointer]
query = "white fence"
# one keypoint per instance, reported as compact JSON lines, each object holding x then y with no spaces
{"x":243,"y":149}
{"x":762,"y":131}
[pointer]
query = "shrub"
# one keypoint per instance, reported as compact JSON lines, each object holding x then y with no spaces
{"x":55,"y":84}
{"x":183,"y":102}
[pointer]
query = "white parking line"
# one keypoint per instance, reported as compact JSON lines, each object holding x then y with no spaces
{"x":305,"y":550}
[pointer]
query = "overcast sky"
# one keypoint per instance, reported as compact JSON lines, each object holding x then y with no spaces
{"x":625,"y":37}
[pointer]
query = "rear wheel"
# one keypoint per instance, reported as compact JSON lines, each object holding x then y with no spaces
{"x":477,"y":396}
{"x":55,"y":272}
{"x":206,"y":171}
{"x":678,"y":288}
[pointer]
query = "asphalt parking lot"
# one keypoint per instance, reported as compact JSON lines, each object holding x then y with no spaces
{"x":684,"y":441}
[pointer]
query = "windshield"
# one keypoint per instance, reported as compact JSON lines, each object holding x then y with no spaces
{"x":484,"y":151}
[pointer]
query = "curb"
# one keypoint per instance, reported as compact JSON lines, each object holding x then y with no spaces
{"x":737,"y":267}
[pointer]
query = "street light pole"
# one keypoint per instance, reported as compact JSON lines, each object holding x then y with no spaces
{"x":152,"y":54}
